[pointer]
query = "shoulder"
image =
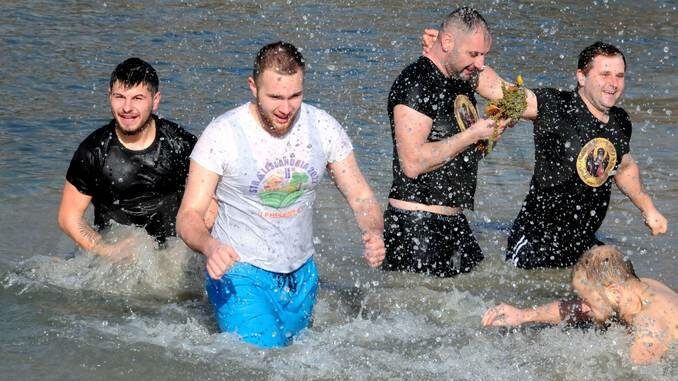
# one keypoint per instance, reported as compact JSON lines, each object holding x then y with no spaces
{"x":98,"y":138}
{"x":174,"y":131}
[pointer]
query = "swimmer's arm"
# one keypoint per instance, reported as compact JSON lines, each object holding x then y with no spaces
{"x":648,"y":344}
{"x":192,"y":224}
{"x":352,"y":184}
{"x":550,"y":313}
{"x":489,"y":87}
{"x":417,"y":154}
{"x":629,"y":182}
{"x":71,"y":219}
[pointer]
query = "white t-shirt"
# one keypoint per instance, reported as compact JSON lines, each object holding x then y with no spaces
{"x":267,"y":185}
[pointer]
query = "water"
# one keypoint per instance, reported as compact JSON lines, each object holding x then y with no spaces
{"x":69,"y":316}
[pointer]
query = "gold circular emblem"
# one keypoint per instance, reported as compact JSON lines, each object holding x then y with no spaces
{"x":465,"y":112}
{"x":595,"y":161}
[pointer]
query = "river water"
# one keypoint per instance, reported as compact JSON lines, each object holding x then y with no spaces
{"x":68,"y":316}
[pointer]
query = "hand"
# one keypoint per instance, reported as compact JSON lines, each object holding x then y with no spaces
{"x":428,"y":38}
{"x":483,"y":129}
{"x":374,"y":248}
{"x":122,"y":251}
{"x":501,"y":127}
{"x":220,"y":258}
{"x":656,"y":222}
{"x":503,"y":315}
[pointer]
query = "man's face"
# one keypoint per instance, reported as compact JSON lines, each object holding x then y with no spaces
{"x":132,"y":107}
{"x":594,"y":297}
{"x":467,"y":55}
{"x":604,"y":83}
{"x":278,"y":98}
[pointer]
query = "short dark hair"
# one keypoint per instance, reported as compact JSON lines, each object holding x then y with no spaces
{"x":466,"y":19}
{"x":598,"y":48}
{"x":134,"y":71}
{"x":280,"y":56}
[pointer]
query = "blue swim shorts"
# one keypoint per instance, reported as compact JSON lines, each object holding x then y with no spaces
{"x":264,"y":308}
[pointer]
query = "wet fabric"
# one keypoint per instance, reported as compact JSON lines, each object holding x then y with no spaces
{"x":267,"y":184}
{"x":142,"y":188}
{"x":561,"y":213}
{"x":264,"y":308}
{"x":429,"y":243}
{"x":423,"y":87}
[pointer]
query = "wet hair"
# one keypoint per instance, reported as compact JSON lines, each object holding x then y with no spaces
{"x":465,"y":19}
{"x":280,"y":56}
{"x":134,"y":71}
{"x":599,"y":48}
{"x":603,"y":266}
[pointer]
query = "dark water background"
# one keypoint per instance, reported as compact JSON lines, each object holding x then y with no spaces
{"x":66,"y":317}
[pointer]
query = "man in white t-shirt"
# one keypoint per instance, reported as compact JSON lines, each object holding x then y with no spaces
{"x":263,"y":161}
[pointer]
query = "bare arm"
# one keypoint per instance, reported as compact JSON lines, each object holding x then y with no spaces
{"x":628,"y":181}
{"x":552,"y":313}
{"x":71,"y":218}
{"x":352,"y":184}
{"x":192,"y":225}
{"x":418,"y":155}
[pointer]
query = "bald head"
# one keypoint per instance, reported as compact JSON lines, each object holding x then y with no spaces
{"x":603,"y":266}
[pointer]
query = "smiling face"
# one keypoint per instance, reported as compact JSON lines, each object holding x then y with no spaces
{"x":466,"y":52}
{"x":132,"y":107}
{"x":278,"y":99}
{"x":602,"y":86}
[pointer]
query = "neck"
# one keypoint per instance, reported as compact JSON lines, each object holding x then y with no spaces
{"x":436,"y":57}
{"x":141,"y":140}
{"x":601,"y":115}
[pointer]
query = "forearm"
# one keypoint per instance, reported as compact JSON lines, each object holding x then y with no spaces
{"x":368,"y":214}
{"x":547,"y":313}
{"x":81,"y":232}
{"x":433,"y":155}
{"x":629,"y":182}
{"x":191,"y":228}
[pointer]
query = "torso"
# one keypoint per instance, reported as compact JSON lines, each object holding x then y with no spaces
{"x":422,"y":87}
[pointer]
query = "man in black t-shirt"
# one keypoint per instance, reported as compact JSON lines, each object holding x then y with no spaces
{"x":435,"y":128}
{"x":581,"y":143}
{"x":568,"y":198}
{"x":132,"y":170}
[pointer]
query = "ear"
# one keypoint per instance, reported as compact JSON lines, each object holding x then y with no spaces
{"x":613,"y":293}
{"x":446,"y":41}
{"x":156,"y":101}
{"x":253,"y":85}
{"x":581,"y":78}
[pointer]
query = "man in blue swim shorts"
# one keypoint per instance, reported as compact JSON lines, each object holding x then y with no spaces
{"x":262,"y":161}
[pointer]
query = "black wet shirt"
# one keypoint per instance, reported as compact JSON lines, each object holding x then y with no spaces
{"x":562,"y":210}
{"x":423,"y":87}
{"x":142,"y":188}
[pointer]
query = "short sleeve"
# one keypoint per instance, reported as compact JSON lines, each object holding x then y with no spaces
{"x":210,"y":151}
{"x":625,"y":125}
{"x":81,"y":171}
{"x":336,"y":143}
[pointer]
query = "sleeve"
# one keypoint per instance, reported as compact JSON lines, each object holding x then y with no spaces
{"x":336,"y":143}
{"x":626,"y":128}
{"x":412,"y":91}
{"x":210,"y":149}
{"x":81,"y":171}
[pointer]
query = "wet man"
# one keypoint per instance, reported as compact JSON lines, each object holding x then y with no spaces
{"x":568,"y":198}
{"x":132,"y":170}
{"x":608,"y":287}
{"x":265,"y":159}
{"x":435,"y":131}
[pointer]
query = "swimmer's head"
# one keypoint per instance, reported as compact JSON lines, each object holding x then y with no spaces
{"x":598,"y":48}
{"x":281,"y":57}
{"x":464,"y":42}
{"x":135,"y":71}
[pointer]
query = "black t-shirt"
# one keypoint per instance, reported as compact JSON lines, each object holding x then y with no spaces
{"x":576,"y":156}
{"x":424,"y":88}
{"x":142,"y":188}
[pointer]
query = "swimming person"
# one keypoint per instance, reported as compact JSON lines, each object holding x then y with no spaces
{"x":132,"y":170}
{"x":608,"y":287}
{"x":581,"y":143}
{"x":436,"y":135}
{"x":265,"y":159}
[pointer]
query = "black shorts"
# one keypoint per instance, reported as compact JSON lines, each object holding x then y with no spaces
{"x":429,"y":243}
{"x":528,"y":253}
